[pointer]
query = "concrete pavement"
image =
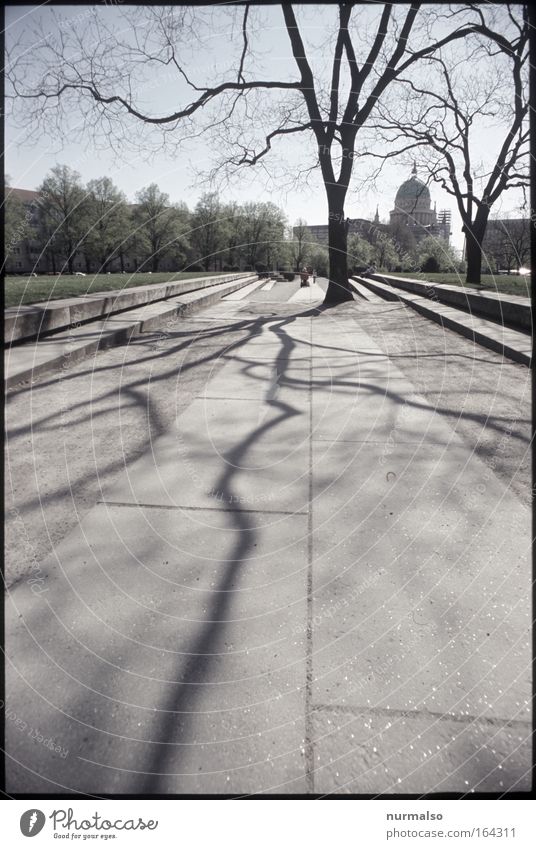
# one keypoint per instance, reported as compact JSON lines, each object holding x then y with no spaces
{"x":308,"y":585}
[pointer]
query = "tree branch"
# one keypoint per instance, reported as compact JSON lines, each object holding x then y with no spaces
{"x":252,"y":160}
{"x":240,"y":76}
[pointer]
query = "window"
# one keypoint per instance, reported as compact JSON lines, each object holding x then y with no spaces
{"x":19,"y":264}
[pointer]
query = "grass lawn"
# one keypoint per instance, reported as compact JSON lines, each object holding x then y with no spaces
{"x":509,"y":284}
{"x":28,"y":290}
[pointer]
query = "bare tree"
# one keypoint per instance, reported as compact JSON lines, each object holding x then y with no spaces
{"x":300,"y":236}
{"x":103,"y":75}
{"x":470,"y":122}
{"x":507,"y":243}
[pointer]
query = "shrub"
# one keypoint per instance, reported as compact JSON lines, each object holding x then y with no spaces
{"x":430,"y":265}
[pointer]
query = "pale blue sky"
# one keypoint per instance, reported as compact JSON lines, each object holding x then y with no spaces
{"x":176,"y":174}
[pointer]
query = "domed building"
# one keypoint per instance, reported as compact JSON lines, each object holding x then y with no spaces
{"x":413,"y":209}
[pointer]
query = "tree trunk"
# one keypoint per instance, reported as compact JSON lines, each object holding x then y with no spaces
{"x":338,"y":288}
{"x":473,"y":256}
{"x":154,"y":263}
{"x":474,"y":236}
{"x":70,"y":259}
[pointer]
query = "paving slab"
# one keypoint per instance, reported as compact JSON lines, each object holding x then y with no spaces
{"x":363,"y":752}
{"x":242,"y":444}
{"x":421,"y":590}
{"x":311,"y":294}
{"x":160,"y":663}
{"x":226,"y":453}
{"x":354,"y":409}
{"x":261,"y":379}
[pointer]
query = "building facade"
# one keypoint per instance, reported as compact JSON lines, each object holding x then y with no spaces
{"x":358,"y":226}
{"x":30,"y":253}
{"x":506,"y":245}
{"x":24,"y":254}
{"x":412,"y":209}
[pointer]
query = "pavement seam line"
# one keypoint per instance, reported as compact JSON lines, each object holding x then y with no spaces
{"x":421,"y":444}
{"x":309,"y":744}
{"x":469,"y":719}
{"x":112,"y":503}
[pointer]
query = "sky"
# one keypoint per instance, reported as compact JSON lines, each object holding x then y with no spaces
{"x":177,"y":172}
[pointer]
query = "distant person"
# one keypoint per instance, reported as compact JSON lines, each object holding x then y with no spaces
{"x":304,"y":276}
{"x":314,"y":276}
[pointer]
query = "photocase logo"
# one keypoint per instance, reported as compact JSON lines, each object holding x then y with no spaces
{"x":31,"y":822}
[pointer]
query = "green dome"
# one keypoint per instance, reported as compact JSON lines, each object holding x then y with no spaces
{"x":413,"y":192}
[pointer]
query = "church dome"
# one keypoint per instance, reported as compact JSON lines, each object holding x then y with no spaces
{"x":413,"y":195}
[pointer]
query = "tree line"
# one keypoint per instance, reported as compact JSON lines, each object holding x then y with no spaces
{"x":95,"y":223}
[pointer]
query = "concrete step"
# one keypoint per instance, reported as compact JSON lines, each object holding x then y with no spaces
{"x":63,"y":349}
{"x":245,"y":291}
{"x":365,"y":293}
{"x":510,"y":310}
{"x":512,"y":344}
{"x":31,"y":321}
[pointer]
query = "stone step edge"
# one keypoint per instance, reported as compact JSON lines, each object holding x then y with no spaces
{"x":108,"y":336}
{"x":32,"y":321}
{"x":497,"y":307}
{"x":461,"y":324}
